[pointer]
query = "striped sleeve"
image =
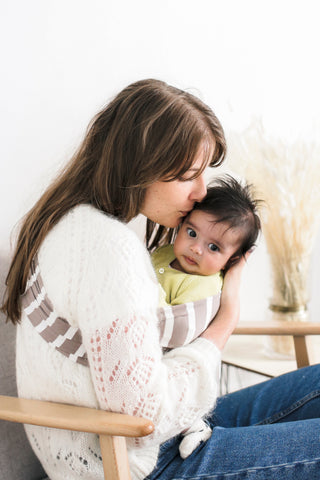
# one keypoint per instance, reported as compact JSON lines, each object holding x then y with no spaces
{"x":181,"y":324}
{"x":52,"y":328}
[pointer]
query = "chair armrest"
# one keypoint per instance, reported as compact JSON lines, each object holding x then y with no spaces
{"x":298,"y":330}
{"x":70,"y":417}
{"x":277,"y":328}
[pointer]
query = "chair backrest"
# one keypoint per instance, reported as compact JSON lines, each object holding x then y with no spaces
{"x":17,"y":460}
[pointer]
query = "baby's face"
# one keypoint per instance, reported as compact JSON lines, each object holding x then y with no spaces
{"x":203,"y":247}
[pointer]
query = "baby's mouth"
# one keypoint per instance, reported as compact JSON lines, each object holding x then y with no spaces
{"x":190,"y":261}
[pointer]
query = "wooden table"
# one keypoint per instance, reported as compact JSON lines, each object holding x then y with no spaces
{"x":250,"y":353}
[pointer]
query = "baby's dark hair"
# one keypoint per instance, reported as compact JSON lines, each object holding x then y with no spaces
{"x":234,"y":204}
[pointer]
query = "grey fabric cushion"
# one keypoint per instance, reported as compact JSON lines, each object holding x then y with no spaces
{"x":17,"y":460}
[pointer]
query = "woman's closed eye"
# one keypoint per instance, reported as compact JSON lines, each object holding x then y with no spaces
{"x":213,"y":247}
{"x":191,"y":232}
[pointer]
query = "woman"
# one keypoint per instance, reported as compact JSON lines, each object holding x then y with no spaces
{"x":146,"y":152}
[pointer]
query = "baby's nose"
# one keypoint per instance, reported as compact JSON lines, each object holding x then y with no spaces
{"x":196,"y":248}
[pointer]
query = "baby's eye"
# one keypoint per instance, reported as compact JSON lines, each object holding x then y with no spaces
{"x":213,"y":247}
{"x":191,"y":232}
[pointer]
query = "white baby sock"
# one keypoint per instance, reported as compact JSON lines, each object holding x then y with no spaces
{"x":197,"y":433}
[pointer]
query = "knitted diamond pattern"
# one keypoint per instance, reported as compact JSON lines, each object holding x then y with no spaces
{"x":99,"y":276}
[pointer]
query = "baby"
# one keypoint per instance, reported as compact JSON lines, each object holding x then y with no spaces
{"x":213,"y":237}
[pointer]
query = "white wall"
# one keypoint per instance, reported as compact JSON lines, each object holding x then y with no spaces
{"x":63,"y":59}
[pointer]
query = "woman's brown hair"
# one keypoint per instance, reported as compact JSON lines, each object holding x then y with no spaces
{"x":150,"y":131}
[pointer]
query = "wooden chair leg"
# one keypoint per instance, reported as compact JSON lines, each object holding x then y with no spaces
{"x":114,"y":458}
{"x":302,"y":350}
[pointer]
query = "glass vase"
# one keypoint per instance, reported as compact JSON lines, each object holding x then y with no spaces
{"x":282,"y":346}
{"x":290,"y":294}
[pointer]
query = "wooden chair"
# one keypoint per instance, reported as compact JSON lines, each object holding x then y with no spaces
{"x":300,"y":331}
{"x":113,"y":428}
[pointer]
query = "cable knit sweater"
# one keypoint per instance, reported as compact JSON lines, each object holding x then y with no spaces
{"x":99,"y":277}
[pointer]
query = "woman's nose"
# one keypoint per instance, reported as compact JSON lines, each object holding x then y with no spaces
{"x":199,"y":189}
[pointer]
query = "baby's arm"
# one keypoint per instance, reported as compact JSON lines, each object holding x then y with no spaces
{"x":193,"y":306}
{"x":181,"y":324}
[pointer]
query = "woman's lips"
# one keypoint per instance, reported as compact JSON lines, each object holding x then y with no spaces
{"x":184,"y":213}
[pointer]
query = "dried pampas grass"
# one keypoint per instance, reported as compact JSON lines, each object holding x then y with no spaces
{"x":287,"y":177}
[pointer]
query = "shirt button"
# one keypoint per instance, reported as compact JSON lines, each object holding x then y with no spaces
{"x":161,"y":270}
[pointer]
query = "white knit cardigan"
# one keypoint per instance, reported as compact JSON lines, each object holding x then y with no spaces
{"x":99,"y":277}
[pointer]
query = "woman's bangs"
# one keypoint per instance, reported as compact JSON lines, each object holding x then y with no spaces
{"x":218,"y":155}
{"x":207,"y":145}
{"x":189,"y":154}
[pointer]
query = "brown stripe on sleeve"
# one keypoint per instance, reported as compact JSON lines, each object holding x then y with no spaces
{"x":180,"y":324}
{"x":53,"y":329}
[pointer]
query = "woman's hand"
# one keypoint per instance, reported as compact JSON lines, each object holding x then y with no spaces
{"x":227,"y":317}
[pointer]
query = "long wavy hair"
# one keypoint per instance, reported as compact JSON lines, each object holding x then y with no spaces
{"x":150,"y":131}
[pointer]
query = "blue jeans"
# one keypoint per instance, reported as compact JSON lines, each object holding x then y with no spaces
{"x":268,"y":431}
